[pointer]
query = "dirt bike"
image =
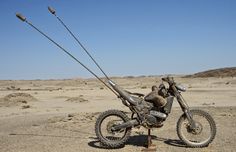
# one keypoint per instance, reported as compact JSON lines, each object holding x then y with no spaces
{"x":196,"y":128}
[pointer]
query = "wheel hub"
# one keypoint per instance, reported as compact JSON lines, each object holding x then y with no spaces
{"x":111,"y":124}
{"x":197,"y":130}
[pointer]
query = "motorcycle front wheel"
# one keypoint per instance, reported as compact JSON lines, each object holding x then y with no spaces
{"x":202,"y":135}
{"x":104,"y":132}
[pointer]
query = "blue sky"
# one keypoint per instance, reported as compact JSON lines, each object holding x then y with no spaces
{"x":133,"y":37}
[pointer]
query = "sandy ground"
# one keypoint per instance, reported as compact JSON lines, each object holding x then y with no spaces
{"x":59,"y":115}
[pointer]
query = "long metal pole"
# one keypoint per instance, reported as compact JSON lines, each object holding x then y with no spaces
{"x":22,"y":18}
{"x":82,"y":46}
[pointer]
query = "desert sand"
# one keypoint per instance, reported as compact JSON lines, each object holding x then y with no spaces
{"x":59,"y":115}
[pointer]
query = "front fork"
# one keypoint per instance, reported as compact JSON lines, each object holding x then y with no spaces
{"x":185,"y":109}
{"x":190,"y":119}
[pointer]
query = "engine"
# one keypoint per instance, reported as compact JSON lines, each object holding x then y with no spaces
{"x":155,"y":117}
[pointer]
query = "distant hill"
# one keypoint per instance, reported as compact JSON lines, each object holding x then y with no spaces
{"x":222,"y":72}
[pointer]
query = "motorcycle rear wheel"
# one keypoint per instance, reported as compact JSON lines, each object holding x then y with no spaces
{"x":204,"y":133}
{"x":104,"y":123}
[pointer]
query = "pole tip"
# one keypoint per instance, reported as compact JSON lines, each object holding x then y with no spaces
{"x":21,"y":17}
{"x":51,"y":10}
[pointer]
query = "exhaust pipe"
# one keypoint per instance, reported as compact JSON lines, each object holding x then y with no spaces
{"x":53,"y":12}
{"x":22,"y":18}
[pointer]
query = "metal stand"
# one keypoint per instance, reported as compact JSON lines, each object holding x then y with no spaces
{"x":150,"y":147}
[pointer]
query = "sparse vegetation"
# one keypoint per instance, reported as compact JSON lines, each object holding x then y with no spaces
{"x":15,"y":99}
{"x":143,"y":87}
{"x":77,"y":99}
{"x":25,"y":106}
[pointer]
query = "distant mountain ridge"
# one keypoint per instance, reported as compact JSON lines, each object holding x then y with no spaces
{"x":221,"y":72}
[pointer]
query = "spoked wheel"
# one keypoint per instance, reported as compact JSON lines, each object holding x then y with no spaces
{"x":200,"y":136}
{"x":103,"y":128}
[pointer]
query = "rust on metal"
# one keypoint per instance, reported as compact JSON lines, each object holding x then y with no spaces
{"x":150,"y":147}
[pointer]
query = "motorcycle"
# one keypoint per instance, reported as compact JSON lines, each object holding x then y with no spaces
{"x":196,"y":128}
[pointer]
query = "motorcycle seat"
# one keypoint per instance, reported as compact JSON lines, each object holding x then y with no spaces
{"x":136,"y":94}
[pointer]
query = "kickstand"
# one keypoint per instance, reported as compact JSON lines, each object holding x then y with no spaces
{"x":150,"y":147}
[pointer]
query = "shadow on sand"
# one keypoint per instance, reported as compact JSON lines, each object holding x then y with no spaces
{"x":138,"y":140}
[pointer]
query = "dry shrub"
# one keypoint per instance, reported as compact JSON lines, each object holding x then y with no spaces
{"x":77,"y":99}
{"x":16,"y":99}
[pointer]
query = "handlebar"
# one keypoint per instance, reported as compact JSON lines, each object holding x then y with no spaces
{"x":168,"y":79}
{"x":164,"y":79}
